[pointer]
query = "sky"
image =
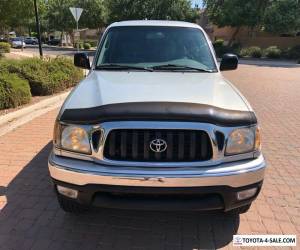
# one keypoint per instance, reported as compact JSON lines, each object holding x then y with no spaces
{"x":199,"y":2}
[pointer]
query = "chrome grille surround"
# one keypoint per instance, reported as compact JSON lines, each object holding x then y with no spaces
{"x":218,"y":156}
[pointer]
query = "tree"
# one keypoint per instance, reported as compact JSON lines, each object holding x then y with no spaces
{"x":15,"y":13}
{"x":19,"y":15}
{"x":94,"y":13}
{"x":236,"y":13}
{"x":150,"y":9}
{"x":282,"y":16}
{"x":59,"y":16}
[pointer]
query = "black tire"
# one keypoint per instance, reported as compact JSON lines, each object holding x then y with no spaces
{"x":239,"y":210}
{"x":70,"y":206}
{"x":244,"y":209}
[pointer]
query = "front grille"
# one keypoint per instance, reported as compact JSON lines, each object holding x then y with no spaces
{"x":134,"y":145}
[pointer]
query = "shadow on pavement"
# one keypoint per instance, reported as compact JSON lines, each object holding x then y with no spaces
{"x":2,"y":190}
{"x":270,"y":63}
{"x":32,"y":219}
{"x":267,"y":63}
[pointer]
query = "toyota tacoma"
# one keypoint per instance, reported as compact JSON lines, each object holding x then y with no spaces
{"x":156,"y":126}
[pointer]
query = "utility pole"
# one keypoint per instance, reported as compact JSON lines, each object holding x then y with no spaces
{"x":38,"y":30}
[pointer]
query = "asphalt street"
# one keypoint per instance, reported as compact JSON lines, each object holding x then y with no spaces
{"x":53,"y":50}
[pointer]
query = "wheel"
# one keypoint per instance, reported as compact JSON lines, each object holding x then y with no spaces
{"x":70,"y":206}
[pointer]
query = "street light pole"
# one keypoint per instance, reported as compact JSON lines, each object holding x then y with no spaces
{"x":38,"y":30}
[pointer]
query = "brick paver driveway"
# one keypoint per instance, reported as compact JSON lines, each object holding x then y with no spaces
{"x":31,"y":219}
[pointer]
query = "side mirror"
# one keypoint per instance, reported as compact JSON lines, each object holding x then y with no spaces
{"x":229,"y":62}
{"x":82,"y":60}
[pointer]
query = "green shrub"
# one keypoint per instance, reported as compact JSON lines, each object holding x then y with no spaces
{"x":80,"y":43}
{"x":47,"y":76}
{"x":4,"y":64}
{"x":253,"y":51}
{"x":234,"y":48}
{"x":244,"y":52}
{"x":34,"y":70}
{"x":219,"y":47}
{"x":295,"y":52}
{"x":62,"y":66}
{"x":86,"y":46}
{"x":285,"y":53}
{"x":14,"y":91}
{"x":4,"y":47}
{"x":218,"y":43}
{"x":272,"y":52}
{"x":93,"y":43}
{"x":8,"y":65}
{"x":292,"y":53}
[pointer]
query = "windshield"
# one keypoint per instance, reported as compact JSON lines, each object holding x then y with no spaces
{"x":152,"y":46}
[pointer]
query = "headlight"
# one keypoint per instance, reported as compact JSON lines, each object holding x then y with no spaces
{"x":243,"y":140}
{"x":73,"y":138}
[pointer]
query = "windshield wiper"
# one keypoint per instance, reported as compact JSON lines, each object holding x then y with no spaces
{"x":180,"y":67}
{"x":114,"y":66}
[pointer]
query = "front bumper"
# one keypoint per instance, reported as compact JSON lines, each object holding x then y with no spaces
{"x":209,"y":188}
{"x":234,"y":174}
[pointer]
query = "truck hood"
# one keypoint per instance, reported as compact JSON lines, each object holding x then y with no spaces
{"x":110,"y":87}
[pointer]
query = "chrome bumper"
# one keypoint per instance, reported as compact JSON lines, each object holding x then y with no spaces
{"x":234,"y":174}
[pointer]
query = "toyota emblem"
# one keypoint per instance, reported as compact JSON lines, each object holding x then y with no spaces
{"x":158,"y":145}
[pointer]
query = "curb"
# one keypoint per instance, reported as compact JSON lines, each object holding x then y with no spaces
{"x":17,"y":118}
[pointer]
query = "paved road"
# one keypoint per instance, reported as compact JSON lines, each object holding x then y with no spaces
{"x":31,"y":219}
{"x":53,"y":50}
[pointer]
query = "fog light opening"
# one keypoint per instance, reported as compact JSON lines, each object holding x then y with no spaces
{"x":69,"y":192}
{"x":246,"y":194}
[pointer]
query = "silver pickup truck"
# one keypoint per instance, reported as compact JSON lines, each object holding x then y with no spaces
{"x":155,"y":125}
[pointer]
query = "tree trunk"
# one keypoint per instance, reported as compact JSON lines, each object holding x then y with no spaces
{"x":71,"y":35}
{"x":61,"y":38}
{"x":234,"y":35}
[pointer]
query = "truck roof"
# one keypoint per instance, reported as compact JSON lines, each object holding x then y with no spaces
{"x":154,"y":23}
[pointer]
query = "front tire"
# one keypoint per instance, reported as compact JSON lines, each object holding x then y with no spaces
{"x":70,"y":206}
{"x":244,"y":209}
{"x":239,"y":210}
